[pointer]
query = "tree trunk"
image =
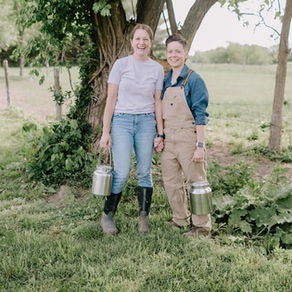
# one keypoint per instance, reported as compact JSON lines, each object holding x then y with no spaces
{"x":21,"y":58}
{"x":57,"y":88}
{"x":149,"y":12}
{"x":111,"y":33}
{"x":276,"y":123}
{"x":21,"y":65}
{"x":194,"y":18}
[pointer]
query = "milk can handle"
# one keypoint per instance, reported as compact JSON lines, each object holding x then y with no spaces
{"x":101,"y":158}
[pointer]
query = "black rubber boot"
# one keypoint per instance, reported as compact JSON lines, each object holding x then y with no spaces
{"x":144,"y":202}
{"x":107,"y":222}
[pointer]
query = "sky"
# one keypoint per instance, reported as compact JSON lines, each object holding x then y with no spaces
{"x":221,"y":26}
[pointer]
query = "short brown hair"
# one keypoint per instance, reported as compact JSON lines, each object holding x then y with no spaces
{"x":177,"y":38}
{"x":143,"y":26}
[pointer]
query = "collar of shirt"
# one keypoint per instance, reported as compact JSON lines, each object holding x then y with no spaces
{"x":182,"y":75}
{"x":167,"y":80}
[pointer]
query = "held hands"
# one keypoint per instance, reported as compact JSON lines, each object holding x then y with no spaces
{"x":199,"y":154}
{"x":158,"y":144}
{"x":105,"y":140}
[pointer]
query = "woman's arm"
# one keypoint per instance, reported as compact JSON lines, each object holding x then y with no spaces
{"x":158,"y":112}
{"x":158,"y":142}
{"x":199,"y":153}
{"x":112,"y":93}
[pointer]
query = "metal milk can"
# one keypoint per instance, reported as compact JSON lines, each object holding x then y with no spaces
{"x":102,"y":180}
{"x":201,"y":198}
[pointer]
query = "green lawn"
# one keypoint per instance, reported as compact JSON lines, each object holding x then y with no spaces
{"x":58,"y":245}
{"x":241,"y":99}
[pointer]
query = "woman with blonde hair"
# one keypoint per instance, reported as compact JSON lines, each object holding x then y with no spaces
{"x":132,"y":119}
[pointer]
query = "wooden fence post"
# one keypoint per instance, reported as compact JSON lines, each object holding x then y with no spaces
{"x":57,"y":88}
{"x":5,"y":66}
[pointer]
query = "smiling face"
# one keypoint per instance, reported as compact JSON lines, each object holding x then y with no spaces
{"x":141,"y":44}
{"x":175,"y":54}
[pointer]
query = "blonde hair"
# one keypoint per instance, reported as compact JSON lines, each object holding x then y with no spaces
{"x":143,"y":26}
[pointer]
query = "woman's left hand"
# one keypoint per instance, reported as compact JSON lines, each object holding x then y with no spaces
{"x":158,"y":144}
{"x":199,"y":154}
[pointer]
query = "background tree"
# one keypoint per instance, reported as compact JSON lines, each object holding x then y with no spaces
{"x":264,"y":7}
{"x":277,"y":117}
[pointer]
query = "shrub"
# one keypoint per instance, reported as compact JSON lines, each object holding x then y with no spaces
{"x":62,"y":155}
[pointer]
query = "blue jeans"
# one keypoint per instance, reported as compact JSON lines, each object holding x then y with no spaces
{"x":132,"y":131}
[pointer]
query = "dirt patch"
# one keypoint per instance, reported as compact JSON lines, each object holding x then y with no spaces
{"x":262,"y":167}
{"x":60,"y":195}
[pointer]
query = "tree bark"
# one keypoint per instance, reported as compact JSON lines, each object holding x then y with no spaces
{"x":5,"y":66}
{"x":277,"y":117}
{"x":21,"y":58}
{"x":149,"y":12}
{"x":111,"y":34}
{"x":57,"y":88}
{"x":194,"y":18}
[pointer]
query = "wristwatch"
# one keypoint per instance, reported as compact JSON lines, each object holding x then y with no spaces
{"x":200,"y":144}
{"x":160,"y":136}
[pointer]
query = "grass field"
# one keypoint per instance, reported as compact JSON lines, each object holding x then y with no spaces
{"x":240,"y":107}
{"x":241,"y":99}
{"x":50,"y":239}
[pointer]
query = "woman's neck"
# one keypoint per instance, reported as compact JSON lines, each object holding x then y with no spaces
{"x":140,"y":57}
{"x":175,"y":74}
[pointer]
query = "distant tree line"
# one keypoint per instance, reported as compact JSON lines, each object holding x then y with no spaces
{"x":239,"y":54}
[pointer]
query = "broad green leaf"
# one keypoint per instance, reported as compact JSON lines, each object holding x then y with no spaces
{"x":224,"y":202}
{"x":245,"y":227}
{"x":235,"y":217}
{"x":264,"y":216}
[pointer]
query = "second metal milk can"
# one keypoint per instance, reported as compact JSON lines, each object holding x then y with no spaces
{"x":201,"y":198}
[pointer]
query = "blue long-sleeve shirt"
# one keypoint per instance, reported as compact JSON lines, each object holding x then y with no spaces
{"x":195,"y":91}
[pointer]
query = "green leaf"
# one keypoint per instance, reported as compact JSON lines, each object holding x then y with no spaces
{"x":286,"y":238}
{"x":245,"y":227}
{"x":102,"y":7}
{"x":223,"y":203}
{"x":285,"y":216}
{"x":26,"y":127}
{"x":235,"y":217}
{"x":68,"y":164}
{"x":264,"y":216}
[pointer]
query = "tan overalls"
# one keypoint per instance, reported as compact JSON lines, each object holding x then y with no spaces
{"x":180,"y":145}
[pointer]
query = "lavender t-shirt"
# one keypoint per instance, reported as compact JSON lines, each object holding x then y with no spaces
{"x":137,"y":82}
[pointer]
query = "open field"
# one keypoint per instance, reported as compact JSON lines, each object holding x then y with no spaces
{"x":241,"y":99}
{"x":33,"y":99}
{"x":50,"y":239}
{"x":240,"y":107}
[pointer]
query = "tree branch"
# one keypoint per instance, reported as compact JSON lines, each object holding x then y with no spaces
{"x":171,"y":16}
{"x":194,"y":18}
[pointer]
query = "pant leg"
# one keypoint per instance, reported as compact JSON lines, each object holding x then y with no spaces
{"x":145,"y":130}
{"x":193,"y":171}
{"x":122,"y":134}
{"x":174,"y":185}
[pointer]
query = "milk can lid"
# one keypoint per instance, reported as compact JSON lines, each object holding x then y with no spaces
{"x":103,"y":168}
{"x":200,"y":184}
